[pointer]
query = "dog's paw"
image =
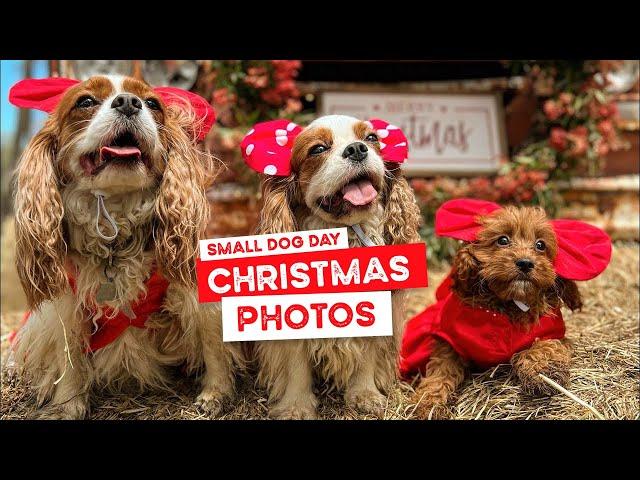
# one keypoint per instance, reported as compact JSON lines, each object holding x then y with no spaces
{"x":211,"y":401}
{"x":293,"y":411}
{"x":431,"y":409}
{"x":366,"y":401}
{"x":533,"y":384}
{"x":71,"y":410}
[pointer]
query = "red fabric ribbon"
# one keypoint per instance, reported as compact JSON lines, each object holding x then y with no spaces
{"x":584,"y":251}
{"x":45,"y":94}
{"x":268,"y":146}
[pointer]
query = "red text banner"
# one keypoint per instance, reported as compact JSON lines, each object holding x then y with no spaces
{"x":364,"y":269}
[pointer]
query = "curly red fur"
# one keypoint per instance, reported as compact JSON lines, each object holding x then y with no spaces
{"x":484,"y":275}
{"x":548,"y":357}
{"x":443,"y":375}
{"x":276,"y":215}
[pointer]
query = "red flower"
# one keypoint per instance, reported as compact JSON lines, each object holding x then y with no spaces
{"x":603,"y":111}
{"x":287,"y":88}
{"x":608,"y":110}
{"x":256,"y":81}
{"x":579,"y":145}
{"x":552,"y":110}
{"x":558,"y":139}
{"x":293,"y":106}
{"x":256,"y":71}
{"x":580,"y":131}
{"x":271,"y":96}
{"x":605,"y":127}
{"x":565,"y":98}
{"x":221,"y":96}
{"x":602,"y":148}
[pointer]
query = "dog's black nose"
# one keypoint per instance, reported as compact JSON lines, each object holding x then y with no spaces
{"x":357,"y":151}
{"x":524,"y":264}
{"x":127,"y":104}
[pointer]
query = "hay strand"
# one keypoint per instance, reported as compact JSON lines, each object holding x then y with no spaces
{"x":561,"y":389}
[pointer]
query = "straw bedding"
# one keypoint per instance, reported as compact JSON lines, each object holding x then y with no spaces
{"x":605,"y":370}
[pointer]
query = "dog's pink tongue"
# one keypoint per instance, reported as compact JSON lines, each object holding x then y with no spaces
{"x":121,"y":152}
{"x":359,"y":193}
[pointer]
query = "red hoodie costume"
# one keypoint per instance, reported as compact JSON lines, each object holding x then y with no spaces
{"x":483,"y":337}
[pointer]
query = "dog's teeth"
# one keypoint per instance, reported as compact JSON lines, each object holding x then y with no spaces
{"x":521,"y":305}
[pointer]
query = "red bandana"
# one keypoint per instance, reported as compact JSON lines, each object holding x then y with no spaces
{"x":482,"y":337}
{"x":109,"y":329}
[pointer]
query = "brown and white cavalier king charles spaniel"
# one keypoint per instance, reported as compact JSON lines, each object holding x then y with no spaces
{"x":338,"y":178}
{"x":110,"y":193}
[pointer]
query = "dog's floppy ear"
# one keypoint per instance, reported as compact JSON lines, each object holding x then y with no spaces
{"x":465,"y":272}
{"x":278,"y":196}
{"x":569,"y":293}
{"x":182,"y":208}
{"x":401,"y":212}
{"x":40,"y":245}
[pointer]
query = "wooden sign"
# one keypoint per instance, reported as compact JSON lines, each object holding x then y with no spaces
{"x":448,"y":133}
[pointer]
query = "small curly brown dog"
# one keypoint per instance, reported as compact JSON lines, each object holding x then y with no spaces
{"x":500,"y":303}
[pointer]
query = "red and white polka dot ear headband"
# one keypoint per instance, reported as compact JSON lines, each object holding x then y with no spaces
{"x":267,"y":147}
{"x":584,"y":251}
{"x":45,"y":94}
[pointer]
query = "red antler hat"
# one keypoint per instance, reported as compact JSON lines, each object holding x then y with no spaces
{"x":268,"y":146}
{"x":584,"y":251}
{"x":45,"y":94}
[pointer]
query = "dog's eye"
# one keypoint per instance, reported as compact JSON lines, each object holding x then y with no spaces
{"x":503,"y":241}
{"x":318,"y":149}
{"x":86,"y":102}
{"x":372,"y":137}
{"x":541,"y":246}
{"x":152,"y":103}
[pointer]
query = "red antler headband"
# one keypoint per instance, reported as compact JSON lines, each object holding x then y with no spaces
{"x":584,"y":251}
{"x":267,"y":147}
{"x":45,"y":94}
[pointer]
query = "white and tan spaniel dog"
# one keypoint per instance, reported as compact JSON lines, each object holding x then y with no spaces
{"x":339,"y":171}
{"x":110,"y":204}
